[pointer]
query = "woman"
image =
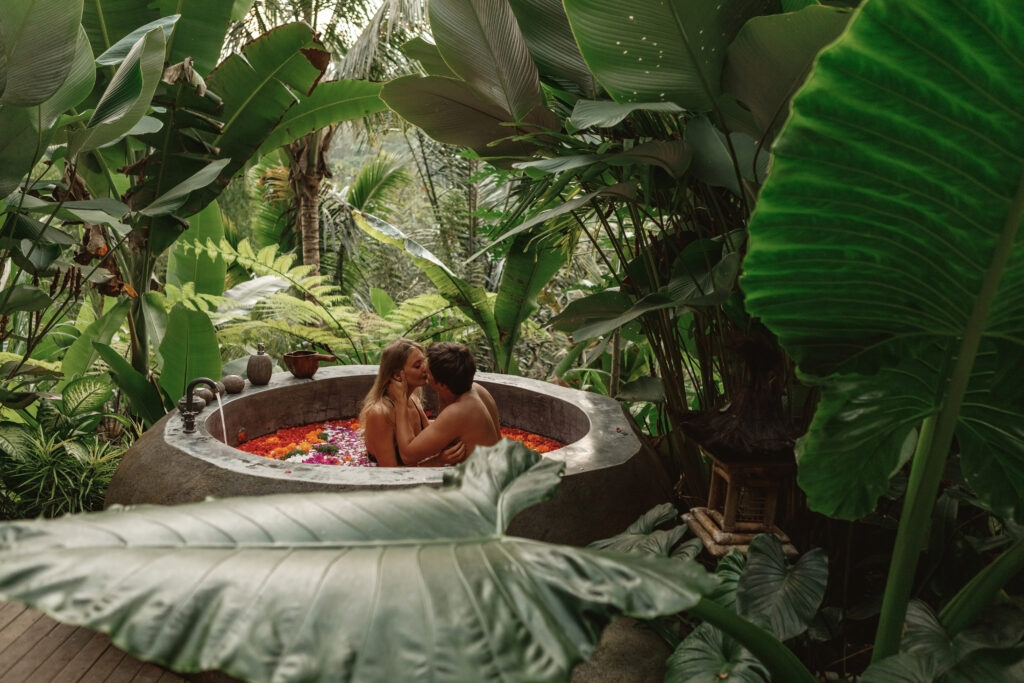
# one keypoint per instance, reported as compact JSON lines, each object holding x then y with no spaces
{"x":402,"y":357}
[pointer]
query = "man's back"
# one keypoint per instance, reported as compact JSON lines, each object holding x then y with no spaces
{"x":472,"y":419}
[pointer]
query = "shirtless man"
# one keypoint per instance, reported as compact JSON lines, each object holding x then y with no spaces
{"x":467,"y":412}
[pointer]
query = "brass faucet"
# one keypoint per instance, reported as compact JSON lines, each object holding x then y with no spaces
{"x":189,"y":410}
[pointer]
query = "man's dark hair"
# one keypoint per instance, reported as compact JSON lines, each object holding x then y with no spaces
{"x":452,"y":365}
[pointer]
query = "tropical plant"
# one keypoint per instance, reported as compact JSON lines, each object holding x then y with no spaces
{"x":528,"y":267}
{"x":428,"y":569}
{"x":885,"y":253}
{"x":53,"y":463}
{"x":657,"y":178}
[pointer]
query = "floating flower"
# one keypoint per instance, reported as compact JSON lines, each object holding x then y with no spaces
{"x":339,"y":442}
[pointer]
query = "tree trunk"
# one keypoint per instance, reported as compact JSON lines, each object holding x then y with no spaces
{"x":306,"y":172}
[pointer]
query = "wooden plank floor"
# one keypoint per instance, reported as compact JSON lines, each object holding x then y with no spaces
{"x":36,"y":649}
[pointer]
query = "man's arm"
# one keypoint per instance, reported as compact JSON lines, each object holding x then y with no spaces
{"x":429,"y":442}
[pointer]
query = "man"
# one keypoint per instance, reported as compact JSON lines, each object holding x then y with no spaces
{"x":468,"y":412}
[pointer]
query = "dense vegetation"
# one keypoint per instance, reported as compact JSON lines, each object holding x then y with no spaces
{"x":771,"y":229}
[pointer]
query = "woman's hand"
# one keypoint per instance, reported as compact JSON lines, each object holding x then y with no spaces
{"x":453,"y":454}
{"x":396,"y":390}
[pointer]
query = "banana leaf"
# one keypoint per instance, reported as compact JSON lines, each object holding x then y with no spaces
{"x":547,"y":34}
{"x":28,"y":130}
{"x":450,"y":111}
{"x":80,"y":357}
{"x":189,"y":349}
{"x":670,"y":51}
{"x":126,"y":99}
{"x":418,"y":584}
{"x":427,"y":55}
{"x":480,"y":41}
{"x":885,"y":251}
{"x":143,"y":396}
{"x":772,"y":55}
{"x":331,"y":102}
{"x":188,"y":265}
{"x":33,"y":68}
{"x":530,"y":264}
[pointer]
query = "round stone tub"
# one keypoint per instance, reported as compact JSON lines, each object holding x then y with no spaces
{"x":609,"y":480}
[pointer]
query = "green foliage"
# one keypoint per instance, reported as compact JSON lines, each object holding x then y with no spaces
{"x":429,"y":569}
{"x":933,"y":269}
{"x":990,"y":650}
{"x":765,"y":589}
{"x":53,"y":464}
{"x":189,"y":349}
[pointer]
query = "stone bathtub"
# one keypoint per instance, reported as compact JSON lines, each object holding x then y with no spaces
{"x":609,"y":480}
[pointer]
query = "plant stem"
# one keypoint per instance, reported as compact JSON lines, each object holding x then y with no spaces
{"x":935,"y":441}
{"x":925,"y":476}
{"x":779,"y":659}
{"x":980,"y":590}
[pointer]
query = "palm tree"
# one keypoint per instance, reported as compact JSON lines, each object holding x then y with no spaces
{"x":384,"y":25}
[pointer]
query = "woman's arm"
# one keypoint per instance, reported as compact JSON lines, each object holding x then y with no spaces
{"x":379,"y":433}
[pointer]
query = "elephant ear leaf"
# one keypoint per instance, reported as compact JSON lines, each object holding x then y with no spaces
{"x":885,"y":251}
{"x":404,"y":585}
{"x":785,"y":597}
{"x":708,"y":654}
{"x":643,"y":535}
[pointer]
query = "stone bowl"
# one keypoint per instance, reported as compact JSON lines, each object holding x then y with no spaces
{"x":609,"y":480}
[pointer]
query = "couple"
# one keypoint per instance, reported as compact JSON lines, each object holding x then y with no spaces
{"x":398,"y":432}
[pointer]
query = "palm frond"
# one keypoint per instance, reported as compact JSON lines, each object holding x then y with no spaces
{"x":376,"y":183}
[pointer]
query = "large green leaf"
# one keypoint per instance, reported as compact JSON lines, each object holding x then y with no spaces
{"x":126,"y":99}
{"x":28,"y":130}
{"x":417,"y":584}
{"x":549,"y":38}
{"x":331,"y":102}
{"x":605,"y":114}
{"x":257,"y":88}
{"x":23,"y":298}
{"x":669,"y":51}
{"x":117,"y":52}
{"x":141,"y":394}
{"x":885,"y":254}
{"x":20,"y":146}
{"x":38,"y":42}
{"x":199,"y":32}
{"x":427,"y":55}
{"x":85,"y":395}
{"x":988,"y":651}
{"x":187,"y":265}
{"x":529,"y":266}
{"x":469,"y":299}
{"x":772,"y":55}
{"x":785,"y":597}
{"x":189,"y":350}
{"x":449,"y":111}
{"x":481,"y":42}
{"x":643,"y":536}
{"x":708,"y":655}
{"x":107,"y":21}
{"x":171,"y":200}
{"x":81,"y":355}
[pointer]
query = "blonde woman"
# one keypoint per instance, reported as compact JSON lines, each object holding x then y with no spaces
{"x":400,"y":358}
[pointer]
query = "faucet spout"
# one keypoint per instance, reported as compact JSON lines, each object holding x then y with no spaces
{"x":190,"y":409}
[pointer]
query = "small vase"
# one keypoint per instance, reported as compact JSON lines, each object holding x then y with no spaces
{"x":260,"y":366}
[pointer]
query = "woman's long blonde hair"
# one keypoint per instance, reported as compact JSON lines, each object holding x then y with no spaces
{"x":392,"y":361}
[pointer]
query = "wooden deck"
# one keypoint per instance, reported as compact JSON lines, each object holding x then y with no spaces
{"x":36,"y":649}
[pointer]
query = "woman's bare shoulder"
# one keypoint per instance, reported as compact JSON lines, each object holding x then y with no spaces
{"x":378,"y":411}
